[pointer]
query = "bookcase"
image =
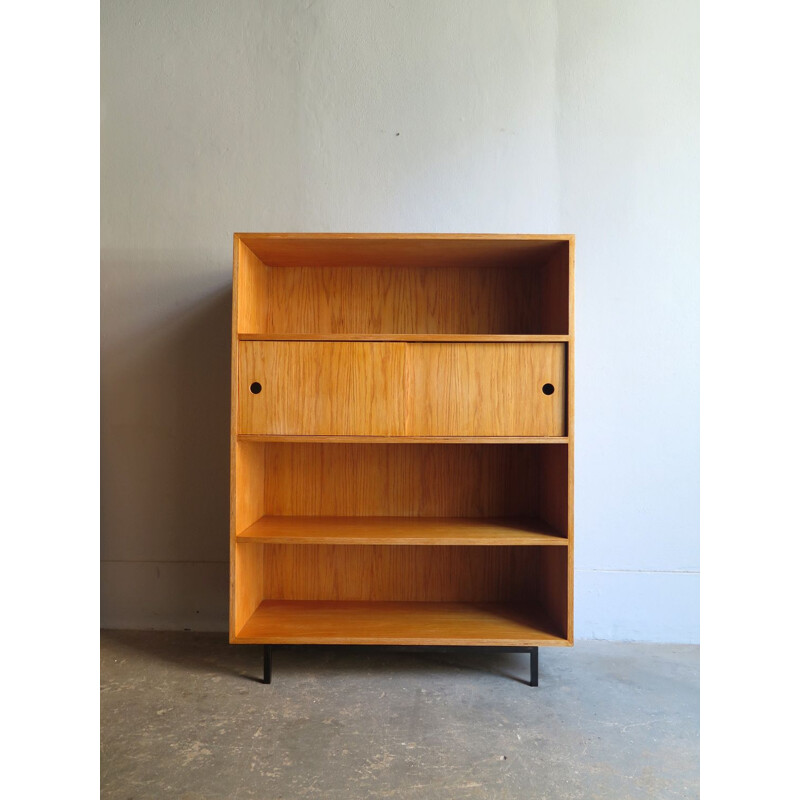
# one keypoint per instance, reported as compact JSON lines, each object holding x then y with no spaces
{"x":402,"y":440}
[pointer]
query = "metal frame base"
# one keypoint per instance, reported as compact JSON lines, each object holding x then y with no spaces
{"x":534,"y":651}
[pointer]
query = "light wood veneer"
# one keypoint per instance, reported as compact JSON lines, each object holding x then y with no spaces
{"x":308,"y":622}
{"x":402,"y":530}
{"x":404,"y":472}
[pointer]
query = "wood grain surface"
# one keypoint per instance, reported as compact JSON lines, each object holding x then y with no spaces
{"x":424,"y":284}
{"x":345,"y":388}
{"x":402,"y":389}
{"x":405,"y":572}
{"x":402,"y":249}
{"x":401,"y":478}
{"x":410,"y":480}
{"x":282,"y":622}
{"x":485,"y":390}
{"x":472,"y":531}
{"x":401,"y":337}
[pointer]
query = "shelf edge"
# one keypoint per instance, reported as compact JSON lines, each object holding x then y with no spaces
{"x":258,"y":437}
{"x":402,"y":337}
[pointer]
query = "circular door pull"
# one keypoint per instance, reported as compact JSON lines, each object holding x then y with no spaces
{"x":255,"y":387}
{"x":548,"y":388}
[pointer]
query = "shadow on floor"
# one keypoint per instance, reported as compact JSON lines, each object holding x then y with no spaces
{"x":211,"y":652}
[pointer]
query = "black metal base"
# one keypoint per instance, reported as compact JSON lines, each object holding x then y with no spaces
{"x":534,"y":651}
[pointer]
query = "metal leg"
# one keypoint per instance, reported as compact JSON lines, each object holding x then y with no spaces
{"x":267,"y":664}
{"x":535,"y":666}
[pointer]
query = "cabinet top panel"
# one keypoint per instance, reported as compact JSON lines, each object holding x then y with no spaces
{"x":406,"y":249}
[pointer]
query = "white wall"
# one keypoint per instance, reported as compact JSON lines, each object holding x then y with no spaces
{"x":400,"y":115}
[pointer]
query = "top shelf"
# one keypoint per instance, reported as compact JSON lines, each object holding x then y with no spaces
{"x":399,"y":337}
{"x":407,"y":288}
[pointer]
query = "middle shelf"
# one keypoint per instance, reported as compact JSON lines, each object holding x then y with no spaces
{"x":402,"y":531}
{"x":400,"y":493}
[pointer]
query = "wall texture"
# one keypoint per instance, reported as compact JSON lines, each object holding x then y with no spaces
{"x":400,"y":115}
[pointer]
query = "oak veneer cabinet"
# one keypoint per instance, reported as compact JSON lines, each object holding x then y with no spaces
{"x":401,"y":441}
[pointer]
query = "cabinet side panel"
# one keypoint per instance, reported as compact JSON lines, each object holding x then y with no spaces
{"x":246,"y":459}
{"x":234,"y":367}
{"x":550,"y":582}
{"x":551,"y":488}
{"x":249,"y":588}
{"x":249,"y":484}
{"x":553,"y":292}
{"x":253,"y":291}
{"x":571,"y":447}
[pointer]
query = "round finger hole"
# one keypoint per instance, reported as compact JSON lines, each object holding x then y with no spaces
{"x":255,"y":387}
{"x":548,"y":388}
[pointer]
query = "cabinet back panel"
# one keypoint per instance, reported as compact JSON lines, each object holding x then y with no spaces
{"x":415,"y":573}
{"x":435,"y":299}
{"x":406,"y":480}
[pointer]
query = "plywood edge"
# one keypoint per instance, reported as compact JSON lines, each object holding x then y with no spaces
{"x":499,"y":643}
{"x":297,"y":438}
{"x":233,"y":441}
{"x":377,"y":236}
{"x":571,"y":447}
{"x":406,"y":337}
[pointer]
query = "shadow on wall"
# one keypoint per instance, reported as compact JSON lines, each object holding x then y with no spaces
{"x":165,"y":414}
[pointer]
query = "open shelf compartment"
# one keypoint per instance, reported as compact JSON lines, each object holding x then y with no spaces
{"x":372,"y":594}
{"x":436,"y":494}
{"x":396,"y":623}
{"x":318,"y":286}
{"x":326,"y":531}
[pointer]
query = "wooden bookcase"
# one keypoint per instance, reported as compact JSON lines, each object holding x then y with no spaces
{"x":401,"y":440}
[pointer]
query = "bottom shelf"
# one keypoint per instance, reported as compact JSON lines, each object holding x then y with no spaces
{"x":415,"y":623}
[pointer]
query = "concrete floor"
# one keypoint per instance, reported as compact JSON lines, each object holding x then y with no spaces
{"x":183,"y":716}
